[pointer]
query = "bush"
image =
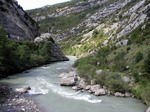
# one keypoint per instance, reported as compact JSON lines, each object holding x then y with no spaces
{"x":87,"y":72}
{"x":146,"y":94}
{"x":112,"y":81}
{"x":119,"y":62}
{"x":138,"y":57}
{"x":128,"y":48}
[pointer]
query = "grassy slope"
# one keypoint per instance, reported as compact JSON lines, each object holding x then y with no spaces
{"x":112,"y":60}
{"x":117,"y":62}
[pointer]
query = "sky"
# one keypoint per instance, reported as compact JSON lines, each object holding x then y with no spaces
{"x":32,"y":4}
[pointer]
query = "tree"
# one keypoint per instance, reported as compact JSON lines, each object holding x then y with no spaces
{"x":147,"y":64}
{"x":24,"y":54}
{"x":45,"y":51}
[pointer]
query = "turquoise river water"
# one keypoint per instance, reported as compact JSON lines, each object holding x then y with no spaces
{"x":46,"y":90}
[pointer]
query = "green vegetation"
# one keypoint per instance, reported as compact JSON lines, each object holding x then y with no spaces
{"x":116,"y":62}
{"x":60,"y":24}
{"x":82,"y":45}
{"x":18,"y":56}
{"x":132,"y":61}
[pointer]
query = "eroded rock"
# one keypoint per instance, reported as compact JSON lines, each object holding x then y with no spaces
{"x":68,"y":79}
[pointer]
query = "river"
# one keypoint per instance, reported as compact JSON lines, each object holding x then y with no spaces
{"x":46,"y":90}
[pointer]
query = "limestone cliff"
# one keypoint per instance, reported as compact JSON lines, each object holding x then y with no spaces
{"x":16,"y":21}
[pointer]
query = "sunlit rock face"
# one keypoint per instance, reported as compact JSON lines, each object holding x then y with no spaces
{"x":16,"y":21}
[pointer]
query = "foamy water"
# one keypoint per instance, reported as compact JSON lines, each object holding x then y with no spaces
{"x":44,"y":87}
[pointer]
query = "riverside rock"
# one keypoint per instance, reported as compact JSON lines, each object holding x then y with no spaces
{"x":99,"y":92}
{"x":87,"y":87}
{"x":127,"y":94}
{"x":82,"y":84}
{"x":118,"y":94}
{"x":95,"y":88}
{"x":68,"y":79}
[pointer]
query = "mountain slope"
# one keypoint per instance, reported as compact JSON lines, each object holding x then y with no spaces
{"x":111,"y":36}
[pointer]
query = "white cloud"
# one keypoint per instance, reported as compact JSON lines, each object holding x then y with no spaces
{"x":32,"y":4}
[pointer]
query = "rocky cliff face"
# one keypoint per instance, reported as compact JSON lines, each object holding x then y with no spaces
{"x":76,"y":22}
{"x":20,"y":26}
{"x":122,"y":16}
{"x":56,"y":53}
{"x":16,"y":21}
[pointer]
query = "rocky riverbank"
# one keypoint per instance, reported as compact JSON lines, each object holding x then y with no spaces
{"x":11,"y":101}
{"x":79,"y":84}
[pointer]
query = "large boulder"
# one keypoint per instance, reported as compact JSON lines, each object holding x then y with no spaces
{"x":100,"y":92}
{"x":17,"y":23}
{"x":95,"y":88}
{"x":87,"y":87}
{"x":68,"y":79}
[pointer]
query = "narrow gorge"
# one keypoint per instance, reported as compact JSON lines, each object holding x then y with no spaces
{"x":80,"y":55}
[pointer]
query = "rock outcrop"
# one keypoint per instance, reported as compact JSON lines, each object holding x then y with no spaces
{"x":16,"y":21}
{"x":56,"y":53}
